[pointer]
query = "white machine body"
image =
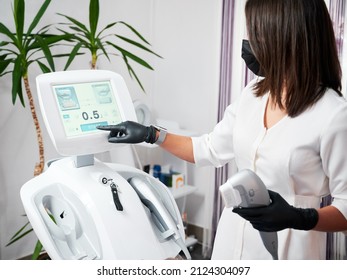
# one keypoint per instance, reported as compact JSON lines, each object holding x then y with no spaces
{"x":87,"y":224}
{"x":81,"y":208}
{"x":246,"y":189}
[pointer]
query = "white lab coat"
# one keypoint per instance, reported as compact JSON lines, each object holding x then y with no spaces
{"x":302,"y":158}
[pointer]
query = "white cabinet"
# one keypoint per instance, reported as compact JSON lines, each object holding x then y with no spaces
{"x":183,"y":192}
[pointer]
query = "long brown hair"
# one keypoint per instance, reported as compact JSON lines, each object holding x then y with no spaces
{"x":294,"y":43}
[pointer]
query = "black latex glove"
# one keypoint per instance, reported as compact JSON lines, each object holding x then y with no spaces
{"x":130,"y":132}
{"x":279,"y":215}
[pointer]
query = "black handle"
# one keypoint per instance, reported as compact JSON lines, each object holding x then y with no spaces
{"x":115,"y":195}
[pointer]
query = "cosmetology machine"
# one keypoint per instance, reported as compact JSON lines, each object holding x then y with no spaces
{"x":82,"y":208}
{"x":246,"y":189}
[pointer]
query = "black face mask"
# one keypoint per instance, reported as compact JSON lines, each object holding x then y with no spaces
{"x":248,"y":56}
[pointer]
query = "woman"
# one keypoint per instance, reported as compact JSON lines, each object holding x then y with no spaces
{"x":289,"y":127}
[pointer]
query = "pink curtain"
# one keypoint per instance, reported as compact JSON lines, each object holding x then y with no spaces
{"x":337,"y":242}
{"x":221,"y":174}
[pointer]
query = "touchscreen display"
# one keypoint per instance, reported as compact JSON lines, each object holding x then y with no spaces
{"x":84,"y":106}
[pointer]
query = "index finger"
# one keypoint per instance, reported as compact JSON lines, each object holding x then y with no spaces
{"x":108,"y":127}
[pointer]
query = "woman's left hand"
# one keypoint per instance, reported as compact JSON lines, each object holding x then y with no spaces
{"x":279,"y":215}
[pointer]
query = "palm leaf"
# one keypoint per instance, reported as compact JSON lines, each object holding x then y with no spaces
{"x":48,"y":40}
{"x":72,"y":56}
{"x":76,"y":22}
{"x":4,"y":63}
{"x":93,"y":16}
{"x":43,"y":67}
{"x":135,"y":31}
{"x":3,"y":43}
{"x":44,"y":29}
{"x":38,"y":16}
{"x":137,"y":44}
{"x":17,"y":81}
{"x":18,"y":235}
{"x":5,"y":73}
{"x":4,"y":30}
{"x":132,"y":72}
{"x":101,"y":46}
{"x":19,"y":17}
{"x":46,"y":52}
{"x":37,"y":251}
{"x":107,"y":27}
{"x":131,"y":55}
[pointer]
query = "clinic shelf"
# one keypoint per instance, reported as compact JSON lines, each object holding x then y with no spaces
{"x":190,"y":241}
{"x":182,"y":191}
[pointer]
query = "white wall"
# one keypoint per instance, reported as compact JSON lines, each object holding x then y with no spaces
{"x":187,"y":79}
{"x":183,"y":88}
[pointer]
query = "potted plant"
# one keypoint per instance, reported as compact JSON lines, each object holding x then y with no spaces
{"x":18,"y":52}
{"x":99,"y":41}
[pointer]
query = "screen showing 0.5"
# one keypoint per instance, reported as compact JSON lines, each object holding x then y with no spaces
{"x":84,"y":106}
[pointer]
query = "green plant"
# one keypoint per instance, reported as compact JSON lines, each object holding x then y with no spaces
{"x":99,"y":42}
{"x":22,"y":232}
{"x":18,"y":52}
{"x":22,"y":49}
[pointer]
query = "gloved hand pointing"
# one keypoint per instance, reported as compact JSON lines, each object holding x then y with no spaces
{"x":130,"y":132}
{"x":279,"y":215}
